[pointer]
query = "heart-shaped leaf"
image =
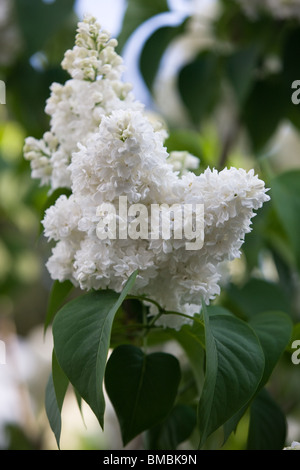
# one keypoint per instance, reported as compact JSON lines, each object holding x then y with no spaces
{"x":81,"y":331}
{"x":142,"y":388}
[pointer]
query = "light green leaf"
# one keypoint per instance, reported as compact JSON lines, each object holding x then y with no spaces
{"x":192,"y":340}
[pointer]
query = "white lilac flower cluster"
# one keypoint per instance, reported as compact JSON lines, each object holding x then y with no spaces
{"x":279,"y":9}
{"x":77,"y":107}
{"x":110,"y":150}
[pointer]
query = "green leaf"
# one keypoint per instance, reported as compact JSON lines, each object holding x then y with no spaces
{"x":79,"y":403}
{"x":81,"y":331}
{"x":295,"y":337}
{"x":260,"y":115}
{"x":234,"y":368}
{"x":185,"y":140}
{"x":40,"y":20}
{"x":142,"y":388}
{"x":273,"y":330}
{"x":241,"y":70}
{"x":55,"y":393}
{"x":267,"y":429}
{"x":136,"y":13}
{"x":201,"y":74}
{"x":153,"y":51}
{"x":285,"y":194}
{"x":175,"y":429}
{"x":257,"y":296}
{"x":58,"y":294}
{"x":192,"y":340}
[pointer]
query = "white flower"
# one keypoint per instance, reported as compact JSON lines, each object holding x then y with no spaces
{"x":183,"y":161}
{"x":77,"y":107}
{"x":105,"y":148}
{"x":127,"y":158}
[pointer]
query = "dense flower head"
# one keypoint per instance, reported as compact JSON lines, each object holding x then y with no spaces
{"x":77,"y":107}
{"x":114,"y":150}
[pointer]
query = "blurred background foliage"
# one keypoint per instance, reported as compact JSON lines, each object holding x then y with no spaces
{"x":223,"y":84}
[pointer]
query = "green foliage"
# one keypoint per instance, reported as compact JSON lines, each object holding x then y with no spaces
{"x":81,"y":332}
{"x":201,"y":74}
{"x":175,"y":429}
{"x":234,"y":368}
{"x":257,"y":296}
{"x":156,"y":45}
{"x":58,"y":294}
{"x":267,"y":429}
{"x":55,"y":395}
{"x":137,"y":12}
{"x":40,"y":20}
{"x":148,"y":385}
{"x":232,"y":359}
{"x":286,"y":198}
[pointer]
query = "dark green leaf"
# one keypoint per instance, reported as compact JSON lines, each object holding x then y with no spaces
{"x":285,"y":193}
{"x":201,"y":74}
{"x":55,"y":394}
{"x":58,"y":294}
{"x":142,"y":388}
{"x":295,"y":337}
{"x":273,"y":330}
{"x":39,"y":20}
{"x":174,"y":430}
{"x":136,"y":13}
{"x":234,"y":368}
{"x":264,"y":109}
{"x":241,"y":70}
{"x":267,"y":430}
{"x":153,"y":51}
{"x":81,"y":331}
{"x":258,"y":296}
